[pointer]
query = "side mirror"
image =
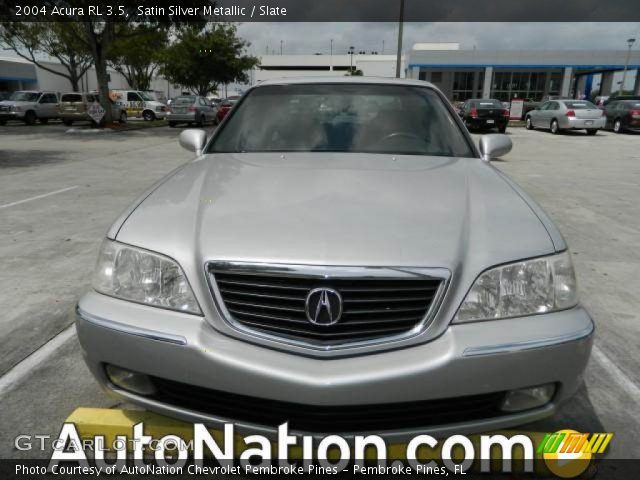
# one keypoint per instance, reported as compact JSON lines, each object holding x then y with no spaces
{"x":193,"y":140}
{"x":494,"y":145}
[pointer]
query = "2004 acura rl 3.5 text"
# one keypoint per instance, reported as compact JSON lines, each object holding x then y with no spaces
{"x":338,"y":255}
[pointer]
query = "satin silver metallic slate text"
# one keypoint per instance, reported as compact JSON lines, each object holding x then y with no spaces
{"x":338,"y":255}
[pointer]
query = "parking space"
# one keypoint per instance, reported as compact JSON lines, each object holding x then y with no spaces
{"x":60,"y":191}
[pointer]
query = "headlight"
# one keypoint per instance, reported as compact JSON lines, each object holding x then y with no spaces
{"x":160,"y":109}
{"x":539,"y":285}
{"x":16,"y":108}
{"x":140,"y":276}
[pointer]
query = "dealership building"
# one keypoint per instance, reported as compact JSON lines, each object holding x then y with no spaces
{"x":462,"y":74}
{"x":459,"y":73}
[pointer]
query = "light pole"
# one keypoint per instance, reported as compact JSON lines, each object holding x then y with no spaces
{"x":630,"y":43}
{"x":400,"y":25}
{"x":331,"y":54}
{"x":281,"y":42}
{"x":351,"y":50}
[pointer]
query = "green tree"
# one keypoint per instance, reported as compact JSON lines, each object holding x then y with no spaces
{"x":99,"y":33}
{"x":32,"y":41}
{"x":202,"y":59}
{"x":137,"y":54}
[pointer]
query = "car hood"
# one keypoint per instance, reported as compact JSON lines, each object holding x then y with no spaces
{"x":338,"y":209}
{"x":15,"y":103}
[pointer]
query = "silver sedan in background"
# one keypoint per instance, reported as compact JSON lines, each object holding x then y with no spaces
{"x":566,"y":114}
{"x":192,"y":109}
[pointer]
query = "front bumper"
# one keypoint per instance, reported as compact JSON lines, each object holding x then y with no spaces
{"x":12,"y":115}
{"x":470,"y":359}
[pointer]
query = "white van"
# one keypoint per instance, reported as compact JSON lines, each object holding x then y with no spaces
{"x":139,"y":104}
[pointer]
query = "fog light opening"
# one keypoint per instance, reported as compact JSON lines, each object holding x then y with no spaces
{"x":528,"y":398}
{"x":130,"y":381}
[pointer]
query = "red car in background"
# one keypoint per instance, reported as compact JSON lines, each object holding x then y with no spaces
{"x":225,"y":106}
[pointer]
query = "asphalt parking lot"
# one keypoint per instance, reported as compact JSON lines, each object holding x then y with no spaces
{"x":59,"y":192}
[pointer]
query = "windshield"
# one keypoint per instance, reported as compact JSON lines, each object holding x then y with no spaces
{"x":147,"y":97}
{"x":582,"y":105}
{"x":396,"y":119}
{"x":25,"y":96}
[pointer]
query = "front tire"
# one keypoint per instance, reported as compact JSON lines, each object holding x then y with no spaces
{"x":555,"y":128}
{"x":123,"y":117}
{"x":528,"y":124}
{"x":617,"y":126}
{"x":30,"y":118}
{"x":502,"y":129}
{"x":592,"y":131}
{"x":68,"y":123}
{"x":148,"y":115}
{"x":173,"y":124}
{"x":44,"y":121}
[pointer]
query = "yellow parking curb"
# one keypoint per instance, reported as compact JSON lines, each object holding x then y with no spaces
{"x":91,"y":422}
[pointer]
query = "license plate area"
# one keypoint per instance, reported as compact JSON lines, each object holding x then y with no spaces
{"x":491,"y":121}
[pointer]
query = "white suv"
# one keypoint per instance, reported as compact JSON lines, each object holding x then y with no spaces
{"x":29,"y":106}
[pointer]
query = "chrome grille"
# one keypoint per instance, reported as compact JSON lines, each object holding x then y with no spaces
{"x":385,"y":303}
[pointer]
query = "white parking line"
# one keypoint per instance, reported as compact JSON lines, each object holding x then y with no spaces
{"x":6,"y":205}
{"x":616,"y":373}
{"x":21,"y":370}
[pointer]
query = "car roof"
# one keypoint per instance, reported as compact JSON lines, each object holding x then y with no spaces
{"x":344,"y":79}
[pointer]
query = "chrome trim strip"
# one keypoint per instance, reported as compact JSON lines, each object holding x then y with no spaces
{"x":528,"y":345}
{"x":327,"y":272}
{"x":128,"y":329}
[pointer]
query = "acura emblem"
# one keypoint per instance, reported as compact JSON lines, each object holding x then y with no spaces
{"x":323,"y":306}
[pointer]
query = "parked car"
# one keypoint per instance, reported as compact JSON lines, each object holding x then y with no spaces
{"x":29,"y":106}
{"x":341,"y":274}
{"x":566,"y":114}
{"x":226,"y":105}
{"x":139,"y":104}
{"x":74,"y":108}
{"x":191,"y":109}
{"x":484,"y":114}
{"x":616,"y":96}
{"x":622,"y":115}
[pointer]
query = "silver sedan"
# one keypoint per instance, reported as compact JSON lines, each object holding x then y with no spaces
{"x":346,"y":275}
{"x":558,"y":115}
{"x":191,"y":109}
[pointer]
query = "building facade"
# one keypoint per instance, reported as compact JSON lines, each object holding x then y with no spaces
{"x":19,"y":74}
{"x":532,"y":74}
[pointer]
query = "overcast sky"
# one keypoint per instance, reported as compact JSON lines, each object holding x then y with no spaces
{"x":315,"y":37}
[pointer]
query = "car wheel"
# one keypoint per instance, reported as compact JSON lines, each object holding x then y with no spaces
{"x":200,"y":122}
{"x":502,"y":129}
{"x":148,"y":115}
{"x":68,"y":123}
{"x":123,"y":117}
{"x":44,"y":121}
{"x":528,"y":124}
{"x":617,"y":126}
{"x":172,"y":124}
{"x":592,"y":131}
{"x":555,"y":128}
{"x":30,"y":118}
{"x":3,"y":122}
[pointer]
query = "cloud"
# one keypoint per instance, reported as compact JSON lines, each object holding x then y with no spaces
{"x":309,"y":38}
